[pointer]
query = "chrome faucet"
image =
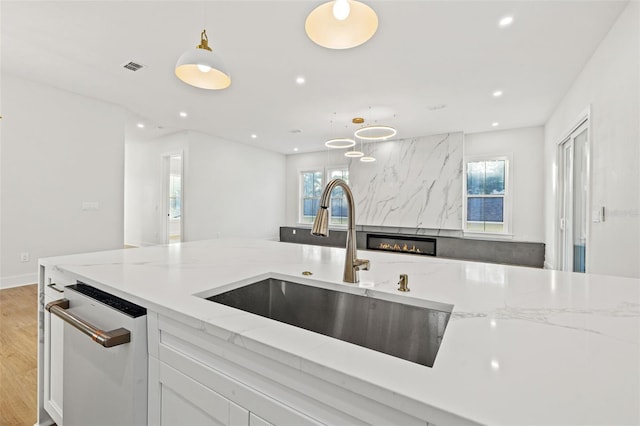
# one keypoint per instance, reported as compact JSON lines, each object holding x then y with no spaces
{"x":321,"y":229}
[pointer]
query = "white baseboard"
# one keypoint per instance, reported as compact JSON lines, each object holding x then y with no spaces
{"x":136,"y":244}
{"x":18,"y":280}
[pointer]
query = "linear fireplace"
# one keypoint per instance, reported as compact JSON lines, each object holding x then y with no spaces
{"x":402,"y":244}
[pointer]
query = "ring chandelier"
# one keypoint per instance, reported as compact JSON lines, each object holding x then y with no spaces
{"x":354,"y":154}
{"x":375,"y":133}
{"x":340,"y":143}
{"x":365,"y":133}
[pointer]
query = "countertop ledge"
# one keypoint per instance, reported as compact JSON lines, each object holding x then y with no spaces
{"x":523,"y":345}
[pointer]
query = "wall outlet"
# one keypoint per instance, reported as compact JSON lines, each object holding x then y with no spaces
{"x":294,"y":232}
{"x":24,"y":257}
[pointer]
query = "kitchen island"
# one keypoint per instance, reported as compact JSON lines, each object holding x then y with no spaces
{"x":522,"y":346}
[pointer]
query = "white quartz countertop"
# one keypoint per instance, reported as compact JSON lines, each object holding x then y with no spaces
{"x":523,"y":346}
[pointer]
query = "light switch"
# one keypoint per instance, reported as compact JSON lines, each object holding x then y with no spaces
{"x":597,"y":215}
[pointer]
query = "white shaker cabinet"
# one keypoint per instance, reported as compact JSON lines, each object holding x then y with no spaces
{"x":52,"y":336}
{"x":184,"y":401}
{"x":198,"y":378}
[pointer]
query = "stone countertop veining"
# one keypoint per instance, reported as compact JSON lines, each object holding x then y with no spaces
{"x":523,"y":345}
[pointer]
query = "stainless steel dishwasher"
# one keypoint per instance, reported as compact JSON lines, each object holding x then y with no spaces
{"x":104,"y":358}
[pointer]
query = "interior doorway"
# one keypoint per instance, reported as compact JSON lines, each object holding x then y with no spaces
{"x":173,"y":200}
{"x":573,"y":192}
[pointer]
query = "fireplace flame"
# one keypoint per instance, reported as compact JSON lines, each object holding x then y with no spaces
{"x":398,"y":247}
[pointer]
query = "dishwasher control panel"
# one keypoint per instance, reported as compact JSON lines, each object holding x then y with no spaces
{"x":114,"y":302}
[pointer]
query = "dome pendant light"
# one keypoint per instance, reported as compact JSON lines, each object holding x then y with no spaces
{"x":199,"y":67}
{"x":341,"y":24}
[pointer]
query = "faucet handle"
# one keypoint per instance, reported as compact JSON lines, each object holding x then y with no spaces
{"x":361,"y":264}
{"x":403,"y":283}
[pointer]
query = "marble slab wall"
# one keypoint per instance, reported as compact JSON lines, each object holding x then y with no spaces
{"x":415,"y":183}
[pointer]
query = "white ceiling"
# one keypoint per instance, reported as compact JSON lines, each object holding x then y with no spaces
{"x":425,"y":54}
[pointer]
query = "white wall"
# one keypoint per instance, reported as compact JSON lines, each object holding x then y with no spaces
{"x":59,"y":150}
{"x":233,"y":190}
{"x":525,"y":146}
{"x":229,"y":189}
{"x":610,"y":85}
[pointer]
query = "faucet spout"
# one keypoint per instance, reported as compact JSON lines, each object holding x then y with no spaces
{"x":321,"y":228}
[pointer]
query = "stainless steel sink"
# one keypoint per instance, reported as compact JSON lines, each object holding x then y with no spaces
{"x":413,"y":333}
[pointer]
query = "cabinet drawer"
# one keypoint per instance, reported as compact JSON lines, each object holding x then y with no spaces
{"x":54,"y":291}
{"x":265,"y":408}
{"x":184,"y":401}
{"x":54,"y":283}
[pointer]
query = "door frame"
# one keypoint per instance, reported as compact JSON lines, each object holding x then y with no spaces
{"x":583,"y":122}
{"x":164,"y":211}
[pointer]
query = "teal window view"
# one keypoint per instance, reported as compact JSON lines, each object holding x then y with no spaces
{"x":311,"y":191}
{"x":311,"y":185}
{"x":485,"y":196}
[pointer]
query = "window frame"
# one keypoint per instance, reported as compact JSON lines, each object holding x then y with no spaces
{"x":506,"y":197}
{"x":326,"y":173}
{"x":301,"y":199}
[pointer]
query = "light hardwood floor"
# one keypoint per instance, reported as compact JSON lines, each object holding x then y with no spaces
{"x":18,"y":355}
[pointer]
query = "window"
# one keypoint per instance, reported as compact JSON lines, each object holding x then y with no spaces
{"x":339,"y":207}
{"x":312,"y":184}
{"x":486,"y":202}
{"x":311,"y":189}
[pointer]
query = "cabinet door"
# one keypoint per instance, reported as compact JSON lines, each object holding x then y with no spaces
{"x":53,"y":340}
{"x":183,"y":401}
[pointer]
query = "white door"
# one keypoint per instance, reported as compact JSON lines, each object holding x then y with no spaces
{"x":574,"y":193}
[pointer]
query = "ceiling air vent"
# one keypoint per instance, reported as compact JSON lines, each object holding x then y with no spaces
{"x":132,"y":66}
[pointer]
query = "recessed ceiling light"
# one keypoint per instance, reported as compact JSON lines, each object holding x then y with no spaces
{"x":140,"y":126}
{"x":497,"y":93}
{"x":183,"y":114}
{"x":254,"y":136}
{"x":505,"y":21}
{"x":300,"y":80}
{"x":295,"y":149}
{"x":495,"y":124}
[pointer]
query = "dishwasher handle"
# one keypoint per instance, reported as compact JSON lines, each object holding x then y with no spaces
{"x":107,"y":339}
